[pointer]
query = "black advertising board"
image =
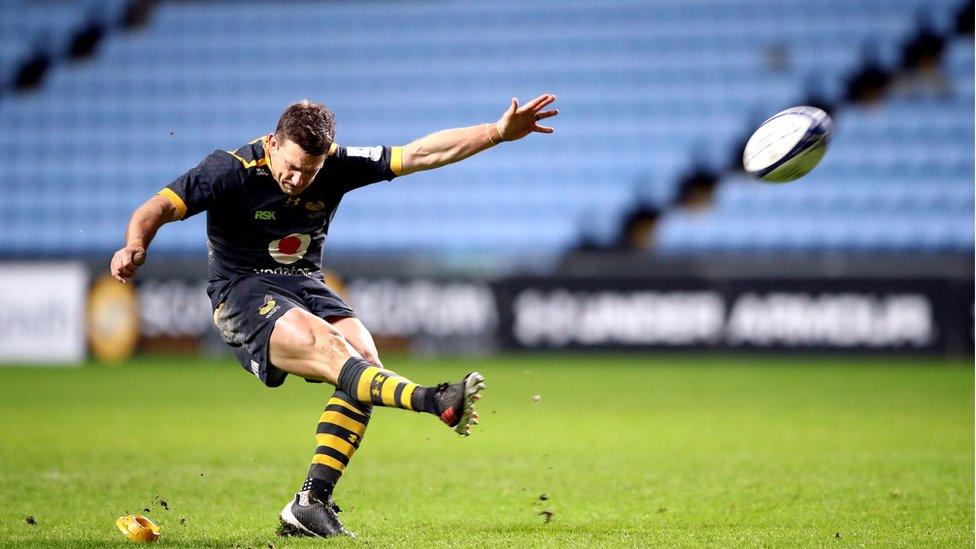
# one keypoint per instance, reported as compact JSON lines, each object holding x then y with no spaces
{"x":474,"y":315}
{"x":929,"y":315}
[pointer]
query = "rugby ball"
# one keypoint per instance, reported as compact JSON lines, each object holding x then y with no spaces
{"x":788,"y":145}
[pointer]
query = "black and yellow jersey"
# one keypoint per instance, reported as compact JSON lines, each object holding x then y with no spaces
{"x":253,"y":227}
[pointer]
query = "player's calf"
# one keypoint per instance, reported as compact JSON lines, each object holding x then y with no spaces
{"x":453,"y":403}
{"x":307,"y":346}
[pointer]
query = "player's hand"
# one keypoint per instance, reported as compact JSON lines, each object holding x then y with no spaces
{"x":517,"y":122}
{"x":126,"y":261}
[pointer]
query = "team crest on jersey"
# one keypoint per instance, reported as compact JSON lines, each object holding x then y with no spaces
{"x":289,"y":249}
{"x":268,"y":307}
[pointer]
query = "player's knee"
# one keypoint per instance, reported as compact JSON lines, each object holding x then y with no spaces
{"x":327,"y":341}
{"x":370,"y":355}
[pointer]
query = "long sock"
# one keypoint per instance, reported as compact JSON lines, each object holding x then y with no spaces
{"x":340,"y":431}
{"x":371,"y":384}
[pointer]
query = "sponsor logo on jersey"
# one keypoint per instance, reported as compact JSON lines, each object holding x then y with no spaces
{"x":315,"y":206}
{"x":293,"y":201}
{"x":289,"y":249}
{"x":264,"y":215}
{"x":297,"y":271}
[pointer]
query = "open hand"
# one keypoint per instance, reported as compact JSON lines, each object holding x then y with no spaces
{"x":126,"y":261}
{"x":517,"y":122}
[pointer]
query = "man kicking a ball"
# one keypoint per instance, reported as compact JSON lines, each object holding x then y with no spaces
{"x":269,"y":205}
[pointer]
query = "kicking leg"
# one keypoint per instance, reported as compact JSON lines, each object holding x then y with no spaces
{"x":358,"y":336}
{"x":305,"y":345}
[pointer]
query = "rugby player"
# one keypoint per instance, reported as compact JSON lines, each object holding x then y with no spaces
{"x":269,"y":204}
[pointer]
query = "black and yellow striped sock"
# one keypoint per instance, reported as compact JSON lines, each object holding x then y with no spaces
{"x":371,"y":384}
{"x":340,"y":431}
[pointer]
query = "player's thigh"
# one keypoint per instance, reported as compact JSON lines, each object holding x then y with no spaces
{"x":246,"y":318}
{"x":358,"y":336}
{"x":306,"y":345}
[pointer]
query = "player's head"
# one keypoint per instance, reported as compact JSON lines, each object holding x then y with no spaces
{"x":300,"y":143}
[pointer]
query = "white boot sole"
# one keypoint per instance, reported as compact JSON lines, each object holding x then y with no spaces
{"x":473,"y":385}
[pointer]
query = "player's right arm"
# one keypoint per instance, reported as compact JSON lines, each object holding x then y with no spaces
{"x":191,"y":193}
{"x":142,"y":227}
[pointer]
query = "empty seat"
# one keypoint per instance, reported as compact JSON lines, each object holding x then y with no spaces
{"x":647,"y":89}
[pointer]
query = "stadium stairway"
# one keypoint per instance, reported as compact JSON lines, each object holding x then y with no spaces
{"x":46,"y":28}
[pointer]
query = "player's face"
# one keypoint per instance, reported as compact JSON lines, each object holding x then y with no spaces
{"x":292,"y":167}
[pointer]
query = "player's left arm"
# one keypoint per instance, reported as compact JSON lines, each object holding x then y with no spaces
{"x":449,"y":146}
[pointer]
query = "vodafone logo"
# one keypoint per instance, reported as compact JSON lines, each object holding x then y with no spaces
{"x":290,"y":248}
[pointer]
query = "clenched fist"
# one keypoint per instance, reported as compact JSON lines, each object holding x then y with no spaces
{"x":126,"y":261}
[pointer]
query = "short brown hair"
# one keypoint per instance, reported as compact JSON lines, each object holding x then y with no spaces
{"x":310,"y":125}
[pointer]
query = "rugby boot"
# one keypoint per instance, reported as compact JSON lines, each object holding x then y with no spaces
{"x":455,"y":402}
{"x":306,"y":515}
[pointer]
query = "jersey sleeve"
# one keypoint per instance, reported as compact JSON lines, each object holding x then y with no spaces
{"x":200,"y":188}
{"x":361,"y":166}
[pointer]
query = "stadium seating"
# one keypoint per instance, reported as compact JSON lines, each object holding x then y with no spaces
{"x":897,"y":177}
{"x":646,"y":89}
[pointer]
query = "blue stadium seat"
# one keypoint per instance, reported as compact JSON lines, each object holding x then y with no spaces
{"x":646,"y":89}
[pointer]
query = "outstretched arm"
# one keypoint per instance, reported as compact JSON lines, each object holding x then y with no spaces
{"x":145,"y":221}
{"x":449,"y":146}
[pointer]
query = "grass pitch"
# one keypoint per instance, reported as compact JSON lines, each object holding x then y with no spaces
{"x":628,"y":451}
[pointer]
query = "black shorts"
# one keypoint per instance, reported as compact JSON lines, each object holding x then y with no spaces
{"x":247,"y":315}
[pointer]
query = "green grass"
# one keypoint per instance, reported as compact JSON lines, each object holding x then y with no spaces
{"x":630,"y":450}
